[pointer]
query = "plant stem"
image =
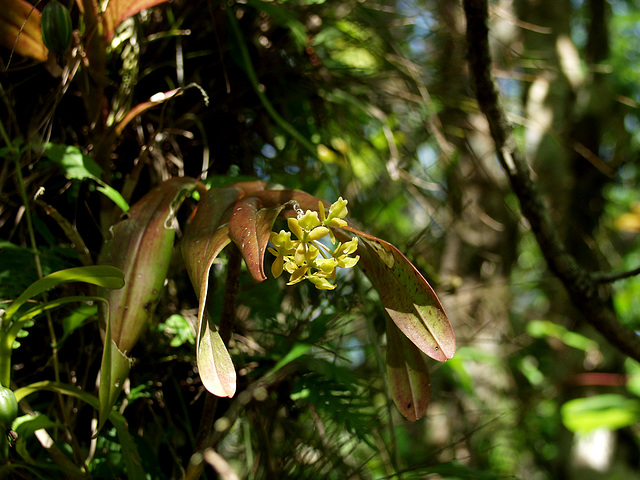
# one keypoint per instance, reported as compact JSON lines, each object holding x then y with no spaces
{"x":36,"y":257}
{"x":5,"y":348}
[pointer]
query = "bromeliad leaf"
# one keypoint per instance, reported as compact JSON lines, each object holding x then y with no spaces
{"x":205,"y":237}
{"x":407,"y":374}
{"x":406,"y":296}
{"x":141,"y":246}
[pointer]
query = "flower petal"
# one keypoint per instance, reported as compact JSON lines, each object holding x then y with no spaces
{"x":298,"y":275}
{"x":277,"y":265}
{"x":318,"y":233}
{"x":338,"y":209}
{"x":309,"y":220}
{"x":294,"y":226}
{"x":321,"y":283}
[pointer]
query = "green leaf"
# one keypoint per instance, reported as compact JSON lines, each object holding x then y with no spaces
{"x":407,"y":374}
{"x":129,"y":450}
{"x":77,"y":165}
{"x":298,"y":350}
{"x":611,"y":411}
{"x":105,"y":276}
{"x":25,"y":319}
{"x":25,"y":426}
{"x":39,"y":309}
{"x":113,"y":195}
{"x":177,"y":327}
{"x":73,"y":162}
{"x":76,"y":319}
{"x":545,"y":328}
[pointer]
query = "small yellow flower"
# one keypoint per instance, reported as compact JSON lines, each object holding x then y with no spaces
{"x":326,"y":266}
{"x":282,"y":240}
{"x":307,"y":258}
{"x":337,"y":212}
{"x":284,"y":247}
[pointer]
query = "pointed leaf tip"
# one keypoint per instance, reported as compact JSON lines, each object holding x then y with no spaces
{"x":215,"y":366}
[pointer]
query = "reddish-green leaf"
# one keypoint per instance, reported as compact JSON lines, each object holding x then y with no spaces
{"x":206,"y":235}
{"x":272,"y":198}
{"x":20,"y":29}
{"x":114,"y":370}
{"x":204,"y":239}
{"x":119,"y":10}
{"x":407,"y":374}
{"x":406,"y":296}
{"x":250,"y":186}
{"x":141,"y":246}
{"x":249,"y":228}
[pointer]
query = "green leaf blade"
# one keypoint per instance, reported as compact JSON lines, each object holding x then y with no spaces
{"x":105,"y":276}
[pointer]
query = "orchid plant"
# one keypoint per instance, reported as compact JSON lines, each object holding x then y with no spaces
{"x":244,"y":214}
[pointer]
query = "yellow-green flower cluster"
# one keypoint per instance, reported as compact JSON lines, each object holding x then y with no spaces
{"x":308,"y":258}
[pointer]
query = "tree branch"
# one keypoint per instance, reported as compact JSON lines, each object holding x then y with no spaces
{"x":580,"y":285}
{"x":610,"y":277}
